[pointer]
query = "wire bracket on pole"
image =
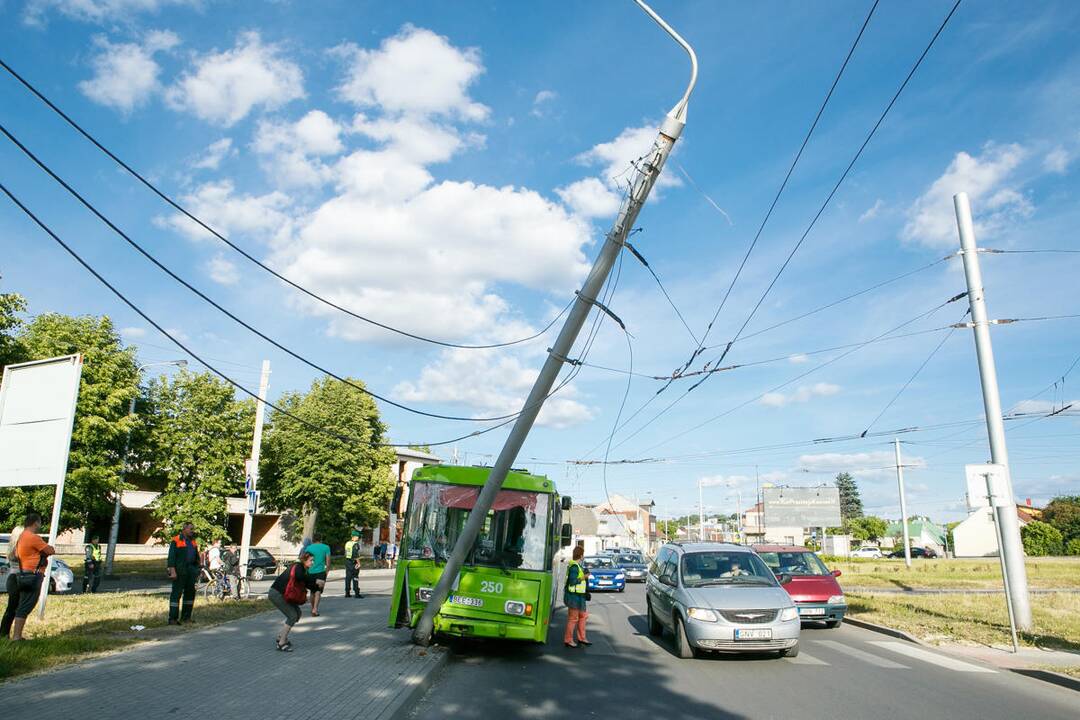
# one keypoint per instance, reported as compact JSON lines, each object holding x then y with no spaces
{"x":563,"y":358}
{"x":604,"y":308}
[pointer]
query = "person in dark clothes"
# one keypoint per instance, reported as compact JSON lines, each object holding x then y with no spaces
{"x":352,"y":565}
{"x":299,"y":575}
{"x":92,"y":566}
{"x":184,"y":565}
{"x":230,"y":568}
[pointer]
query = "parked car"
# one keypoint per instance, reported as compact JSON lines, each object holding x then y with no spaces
{"x":261,"y":563}
{"x":634,"y":565}
{"x":813,"y":586}
{"x":867,"y":551}
{"x":604,"y":574}
{"x":916,"y":552}
{"x":720,"y":597}
{"x":61,"y":580}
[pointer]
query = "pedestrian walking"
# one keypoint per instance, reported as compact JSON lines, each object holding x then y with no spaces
{"x":29,"y":556}
{"x":384,"y":550}
{"x":376,"y":553}
{"x":184,"y":565}
{"x":92,"y":567}
{"x":320,"y":567}
{"x":391,"y":560}
{"x":575,"y":596}
{"x":352,"y":565}
{"x":288,"y":593}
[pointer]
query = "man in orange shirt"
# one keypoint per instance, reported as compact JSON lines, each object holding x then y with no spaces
{"x":29,"y":556}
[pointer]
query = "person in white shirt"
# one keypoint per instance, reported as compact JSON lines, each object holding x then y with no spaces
{"x":214,"y":557}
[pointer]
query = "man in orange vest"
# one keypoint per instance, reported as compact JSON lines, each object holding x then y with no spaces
{"x":184,"y":566}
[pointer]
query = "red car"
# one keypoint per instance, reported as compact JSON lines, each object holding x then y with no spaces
{"x":813,"y":586}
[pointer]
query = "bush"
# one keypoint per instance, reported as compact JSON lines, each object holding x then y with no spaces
{"x":1073,"y":546}
{"x":1041,"y":539}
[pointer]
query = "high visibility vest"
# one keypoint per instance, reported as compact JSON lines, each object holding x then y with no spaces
{"x":95,"y":552}
{"x":349,"y":548}
{"x":580,"y":587}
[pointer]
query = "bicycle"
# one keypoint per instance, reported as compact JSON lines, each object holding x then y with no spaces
{"x":219,"y":587}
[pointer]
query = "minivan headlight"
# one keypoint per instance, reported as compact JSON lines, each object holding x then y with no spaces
{"x":789,"y":614}
{"x":703,"y":614}
{"x":837,"y":600}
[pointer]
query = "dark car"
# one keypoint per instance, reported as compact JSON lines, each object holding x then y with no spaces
{"x":634,"y":566}
{"x":261,"y":563}
{"x":916,"y":552}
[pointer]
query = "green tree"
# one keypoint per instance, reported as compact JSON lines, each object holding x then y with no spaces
{"x":1073,"y":547}
{"x":850,"y":502}
{"x":867,"y":528}
{"x":1041,"y":539}
{"x":109,"y":381}
{"x":333,"y":482}
{"x":11,"y":349}
{"x":198,"y":435}
{"x":1063,"y":512}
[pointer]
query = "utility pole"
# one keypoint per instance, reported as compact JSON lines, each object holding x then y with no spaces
{"x":903,"y":503}
{"x":701,"y":513}
{"x":644,"y":177}
{"x":251,"y":484}
{"x":1012,"y":550}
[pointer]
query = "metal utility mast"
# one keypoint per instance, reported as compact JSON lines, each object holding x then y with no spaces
{"x":644,"y":177}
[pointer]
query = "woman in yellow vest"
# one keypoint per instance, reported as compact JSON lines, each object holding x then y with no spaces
{"x":574,"y":596}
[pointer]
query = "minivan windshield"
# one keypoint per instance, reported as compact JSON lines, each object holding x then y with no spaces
{"x":794,"y":563}
{"x":719,"y":567}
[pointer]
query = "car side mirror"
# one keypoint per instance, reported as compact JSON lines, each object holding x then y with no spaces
{"x":836,"y":573}
{"x":785,"y":579}
{"x":567,"y":535}
{"x":567,"y":502}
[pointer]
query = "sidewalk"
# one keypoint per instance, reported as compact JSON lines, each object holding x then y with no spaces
{"x":346,"y":664}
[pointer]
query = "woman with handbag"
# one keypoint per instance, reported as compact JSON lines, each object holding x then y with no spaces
{"x":575,"y":596}
{"x":29,"y":556}
{"x":288,"y":593}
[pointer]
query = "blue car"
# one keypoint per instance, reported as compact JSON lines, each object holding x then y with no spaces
{"x":604,"y":574}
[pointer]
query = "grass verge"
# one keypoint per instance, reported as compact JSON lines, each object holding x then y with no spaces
{"x":955,"y":574}
{"x":981,"y":619}
{"x":79,"y":626}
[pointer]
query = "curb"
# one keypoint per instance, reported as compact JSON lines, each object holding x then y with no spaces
{"x":884,"y":630}
{"x":403,"y":703}
{"x":1059,"y":679}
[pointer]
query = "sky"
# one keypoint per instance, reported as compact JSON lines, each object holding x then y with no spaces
{"x":451,"y":169}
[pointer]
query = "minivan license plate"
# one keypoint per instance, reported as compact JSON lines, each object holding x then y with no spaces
{"x":753,"y":634}
{"x":470,"y":601}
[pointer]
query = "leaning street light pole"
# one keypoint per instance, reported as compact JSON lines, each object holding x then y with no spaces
{"x":645,"y":175}
{"x":114,"y":527}
{"x":1012,"y":550}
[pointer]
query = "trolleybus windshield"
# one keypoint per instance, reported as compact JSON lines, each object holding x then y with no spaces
{"x":515,"y":534}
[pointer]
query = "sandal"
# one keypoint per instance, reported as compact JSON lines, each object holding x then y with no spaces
{"x":286,"y":647}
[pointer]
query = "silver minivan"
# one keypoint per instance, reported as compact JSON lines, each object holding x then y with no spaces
{"x":722,"y":598}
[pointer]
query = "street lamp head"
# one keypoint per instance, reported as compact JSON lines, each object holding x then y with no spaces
{"x":675,"y":120}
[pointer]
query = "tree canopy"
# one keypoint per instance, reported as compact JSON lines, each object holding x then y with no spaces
{"x":866,"y":528}
{"x":328,"y":480}
{"x":198,"y":436}
{"x":11,"y":350}
{"x":850,"y":502}
{"x":1041,"y":538}
{"x":1063,"y":512}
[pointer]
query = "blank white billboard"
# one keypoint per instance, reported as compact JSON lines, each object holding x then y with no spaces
{"x":37,"y":410}
{"x":802,"y":506}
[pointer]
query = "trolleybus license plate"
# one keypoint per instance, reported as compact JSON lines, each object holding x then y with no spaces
{"x":471,"y":601}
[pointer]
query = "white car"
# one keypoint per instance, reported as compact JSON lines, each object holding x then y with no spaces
{"x":63,"y":579}
{"x":867,"y":551}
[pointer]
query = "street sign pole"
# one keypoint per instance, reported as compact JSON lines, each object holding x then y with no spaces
{"x":990,"y":496}
{"x":645,"y":175}
{"x":1012,"y":550}
{"x":251,"y":480}
{"x":903,"y":503}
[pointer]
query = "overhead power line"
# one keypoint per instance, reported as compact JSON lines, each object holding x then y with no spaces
{"x":634,"y":251}
{"x":220,"y":308}
{"x":248,"y":256}
{"x":326,"y":431}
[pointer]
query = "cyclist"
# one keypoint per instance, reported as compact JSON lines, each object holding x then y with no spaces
{"x":230,"y":569}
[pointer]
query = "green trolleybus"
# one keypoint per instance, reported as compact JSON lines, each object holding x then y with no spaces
{"x":506,"y":588}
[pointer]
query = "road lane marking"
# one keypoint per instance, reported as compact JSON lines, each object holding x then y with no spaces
{"x":804,"y":659}
{"x":861,"y":655}
{"x":930,"y":657}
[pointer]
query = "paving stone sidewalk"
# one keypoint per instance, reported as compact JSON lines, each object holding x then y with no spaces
{"x":346,"y":664}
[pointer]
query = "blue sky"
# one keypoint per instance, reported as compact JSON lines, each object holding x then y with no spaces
{"x":450,"y":168}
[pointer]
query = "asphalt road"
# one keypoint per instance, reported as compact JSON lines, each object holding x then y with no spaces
{"x":842,"y":673}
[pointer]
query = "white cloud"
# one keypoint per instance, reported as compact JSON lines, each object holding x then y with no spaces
{"x":416,"y":139}
{"x":219,"y":206}
{"x":995,"y":204}
{"x":590,"y":198}
{"x":126,"y":74}
{"x":878,"y":463}
{"x":543,"y":99}
{"x":133,"y":333}
{"x":292,"y":150}
{"x":616,"y":156}
{"x":798,"y":359}
{"x":413,"y":72}
{"x":492,"y":384}
{"x":222,"y":271}
{"x":872,"y":211}
{"x":97,"y":11}
{"x":214,"y":154}
{"x":224,"y":87}
{"x":805,"y":393}
{"x":724,"y":480}
{"x":1035,"y":407}
{"x":1056,"y":161}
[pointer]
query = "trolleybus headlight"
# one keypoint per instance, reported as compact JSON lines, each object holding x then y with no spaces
{"x":514,"y":607}
{"x":424,"y":594}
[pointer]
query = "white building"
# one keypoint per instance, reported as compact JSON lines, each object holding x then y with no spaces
{"x":977,"y":536}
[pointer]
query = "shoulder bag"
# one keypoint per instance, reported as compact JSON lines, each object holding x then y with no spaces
{"x":295,"y":592}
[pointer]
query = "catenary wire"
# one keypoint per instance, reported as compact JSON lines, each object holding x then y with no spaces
{"x":220,"y":308}
{"x":248,"y":256}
